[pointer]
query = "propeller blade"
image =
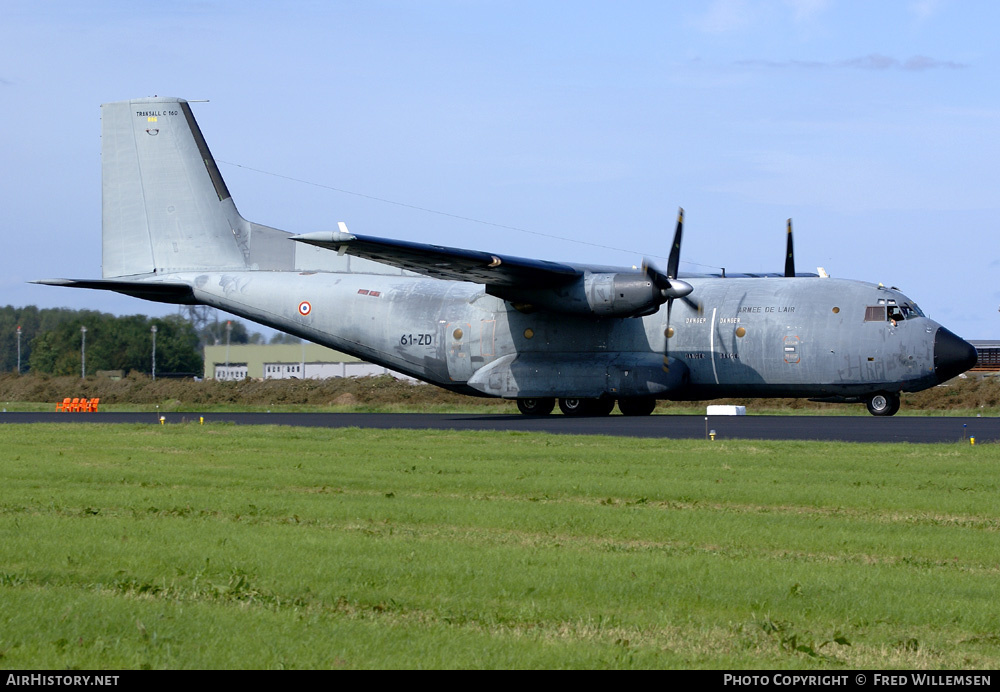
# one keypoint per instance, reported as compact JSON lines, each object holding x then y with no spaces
{"x":694,"y":305}
{"x":670,"y":288}
{"x":675,"y":288}
{"x":675,"y":250}
{"x":659,"y":279}
{"x":666,"y":340}
{"x":668,"y":283}
{"x":789,"y":253}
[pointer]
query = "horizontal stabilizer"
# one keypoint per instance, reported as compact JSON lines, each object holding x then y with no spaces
{"x":160,"y":292}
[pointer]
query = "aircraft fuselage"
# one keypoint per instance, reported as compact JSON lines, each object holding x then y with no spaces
{"x":766,"y":336}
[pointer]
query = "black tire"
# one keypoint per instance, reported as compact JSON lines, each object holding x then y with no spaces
{"x":637,"y":406}
{"x":536,"y":407}
{"x":572,"y":406}
{"x":602,"y":407}
{"x":882,"y":404}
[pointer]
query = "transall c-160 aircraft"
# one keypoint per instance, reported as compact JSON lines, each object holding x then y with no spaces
{"x":492,"y":325}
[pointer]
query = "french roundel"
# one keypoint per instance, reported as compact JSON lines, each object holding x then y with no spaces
{"x":305,"y":308}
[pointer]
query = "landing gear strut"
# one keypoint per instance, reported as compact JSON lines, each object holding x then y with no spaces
{"x":882,"y":404}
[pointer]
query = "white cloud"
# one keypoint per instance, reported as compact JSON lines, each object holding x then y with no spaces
{"x":922,"y":62}
{"x":873,"y":61}
{"x":807,"y":10}
{"x":726,"y":16}
{"x":730,"y":16}
{"x":924,"y":9}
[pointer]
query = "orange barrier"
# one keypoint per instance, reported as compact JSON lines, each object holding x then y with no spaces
{"x":78,"y":405}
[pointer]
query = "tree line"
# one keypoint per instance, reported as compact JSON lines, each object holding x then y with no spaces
{"x":52,"y":341}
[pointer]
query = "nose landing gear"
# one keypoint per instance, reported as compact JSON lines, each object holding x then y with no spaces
{"x":882,"y":404}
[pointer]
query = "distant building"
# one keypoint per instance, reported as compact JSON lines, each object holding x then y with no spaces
{"x":286,"y":361}
{"x":988,"y":356}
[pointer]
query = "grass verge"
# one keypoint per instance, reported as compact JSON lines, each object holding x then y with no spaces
{"x":960,"y":397}
{"x":228,"y":547}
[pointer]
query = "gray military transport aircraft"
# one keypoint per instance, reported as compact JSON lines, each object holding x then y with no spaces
{"x":492,"y":325}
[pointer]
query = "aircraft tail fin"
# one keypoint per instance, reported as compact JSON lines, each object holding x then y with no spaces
{"x":166,"y":207}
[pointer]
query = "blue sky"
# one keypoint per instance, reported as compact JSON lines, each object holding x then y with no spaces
{"x":584,"y":125}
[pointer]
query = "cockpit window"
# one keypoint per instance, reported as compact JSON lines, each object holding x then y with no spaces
{"x":888,"y":310}
{"x":875,"y":313}
{"x":906,"y":311}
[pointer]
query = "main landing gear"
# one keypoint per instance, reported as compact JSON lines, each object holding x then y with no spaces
{"x":637,"y":406}
{"x":882,"y":404}
{"x":579,"y":407}
{"x":587,"y":407}
{"x":536,"y":407}
{"x":879,"y":404}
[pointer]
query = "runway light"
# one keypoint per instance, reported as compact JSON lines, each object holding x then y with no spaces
{"x":711,"y":434}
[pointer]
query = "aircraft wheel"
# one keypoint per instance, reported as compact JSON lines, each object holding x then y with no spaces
{"x":882,"y":404}
{"x":586,"y":407}
{"x":536,"y":407}
{"x":602,"y":407}
{"x":573,"y":407}
{"x":637,"y":406}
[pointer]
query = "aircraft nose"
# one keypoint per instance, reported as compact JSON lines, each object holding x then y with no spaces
{"x":952,"y":355}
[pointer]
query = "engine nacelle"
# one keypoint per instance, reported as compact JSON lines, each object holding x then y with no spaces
{"x":622,"y":294}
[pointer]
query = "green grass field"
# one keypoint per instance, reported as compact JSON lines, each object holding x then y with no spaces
{"x":221,"y":546}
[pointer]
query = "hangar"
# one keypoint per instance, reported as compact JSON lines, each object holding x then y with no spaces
{"x":988,"y":356}
{"x":286,"y":361}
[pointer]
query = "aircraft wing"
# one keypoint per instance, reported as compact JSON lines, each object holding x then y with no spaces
{"x":450,"y":263}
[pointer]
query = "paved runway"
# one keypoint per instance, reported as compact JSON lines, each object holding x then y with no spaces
{"x":842,"y":428}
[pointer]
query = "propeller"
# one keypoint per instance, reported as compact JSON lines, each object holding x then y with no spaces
{"x":789,"y":253}
{"x":670,"y":286}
